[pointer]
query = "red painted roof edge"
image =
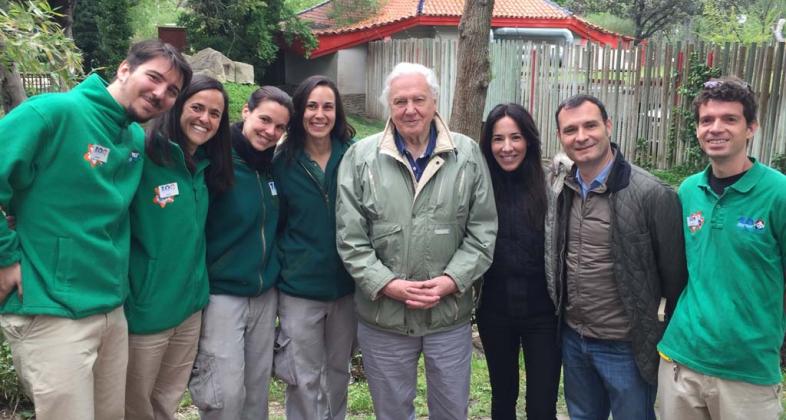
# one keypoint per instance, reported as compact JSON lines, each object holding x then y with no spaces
{"x":332,"y":42}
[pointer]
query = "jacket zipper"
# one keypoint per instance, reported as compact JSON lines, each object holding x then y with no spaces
{"x":262,"y":228}
{"x":321,"y":189}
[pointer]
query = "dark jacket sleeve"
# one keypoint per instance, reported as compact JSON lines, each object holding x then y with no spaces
{"x":668,"y":244}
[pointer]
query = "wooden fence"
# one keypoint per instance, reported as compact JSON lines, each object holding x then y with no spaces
{"x":640,"y":86}
{"x":36,"y":83}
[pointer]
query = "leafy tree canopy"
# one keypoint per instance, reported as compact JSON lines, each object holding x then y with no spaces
{"x":244,"y":30}
{"x":102,"y":31}
{"x":745,"y":21}
{"x":648,"y":16}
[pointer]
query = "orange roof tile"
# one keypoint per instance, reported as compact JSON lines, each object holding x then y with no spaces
{"x":396,"y":10}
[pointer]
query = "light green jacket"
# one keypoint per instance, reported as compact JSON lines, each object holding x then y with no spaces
{"x":391,"y":226}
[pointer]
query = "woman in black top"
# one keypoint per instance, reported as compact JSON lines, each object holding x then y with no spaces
{"x":515,"y":310}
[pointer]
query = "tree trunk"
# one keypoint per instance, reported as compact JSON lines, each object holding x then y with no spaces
{"x":12,"y":91}
{"x":66,"y":9}
{"x":474,"y":68}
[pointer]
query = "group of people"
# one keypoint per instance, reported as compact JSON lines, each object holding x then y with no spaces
{"x":197,"y":253}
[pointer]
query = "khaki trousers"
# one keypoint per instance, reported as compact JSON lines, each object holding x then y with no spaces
{"x":321,"y":335}
{"x":71,"y":368}
{"x":685,"y":394}
{"x":159,"y":366}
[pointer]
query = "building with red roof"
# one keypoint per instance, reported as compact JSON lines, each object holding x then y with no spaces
{"x":341,"y":50}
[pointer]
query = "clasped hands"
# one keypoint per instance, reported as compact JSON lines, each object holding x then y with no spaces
{"x":420,"y":294}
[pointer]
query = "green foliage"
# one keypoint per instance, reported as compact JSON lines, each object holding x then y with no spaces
{"x":298,"y":6}
{"x":779,"y":162}
{"x":613,"y":23}
{"x":102,"y":31}
{"x":365,"y":127}
{"x":739,"y":21}
{"x":641,"y":155}
{"x":147,"y":15}
{"x":683,"y":128}
{"x":649,"y":17}
{"x":30,"y":38}
{"x":244,"y":30}
{"x":347,"y":12}
{"x":11,"y":392}
{"x":674,"y":176}
{"x":238,"y":96}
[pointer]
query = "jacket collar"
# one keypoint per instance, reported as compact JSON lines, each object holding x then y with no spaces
{"x":387,"y":143}
{"x":744,"y":184}
{"x":619,"y":176}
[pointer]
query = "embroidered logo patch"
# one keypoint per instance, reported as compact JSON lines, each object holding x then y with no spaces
{"x":96,"y":154}
{"x":695,"y":221}
{"x":751,"y":224}
{"x":133,"y":157}
{"x":165,"y":194}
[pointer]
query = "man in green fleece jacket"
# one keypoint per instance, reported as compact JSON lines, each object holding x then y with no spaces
{"x":71,"y":164}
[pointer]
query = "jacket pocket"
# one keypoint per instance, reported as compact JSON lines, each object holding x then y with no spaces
{"x":205,"y":390}
{"x":389,"y":313}
{"x":63,"y":266}
{"x":446,"y":313}
{"x":145,"y":290}
{"x":441,"y":245}
{"x":386,"y":240}
{"x":283,"y":360}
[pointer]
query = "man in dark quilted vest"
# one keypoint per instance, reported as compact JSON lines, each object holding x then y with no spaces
{"x":614,"y":260}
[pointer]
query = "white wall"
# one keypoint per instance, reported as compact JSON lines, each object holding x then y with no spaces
{"x":351,"y":77}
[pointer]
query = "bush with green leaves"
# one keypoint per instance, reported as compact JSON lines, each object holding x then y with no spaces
{"x":683,"y":129}
{"x":102,"y":30}
{"x":244,"y":30}
{"x":12,"y":394}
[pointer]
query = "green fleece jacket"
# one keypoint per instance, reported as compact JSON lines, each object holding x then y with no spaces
{"x":70,"y":165}
{"x":241,"y":234}
{"x":168,"y":277}
{"x":310,"y":265}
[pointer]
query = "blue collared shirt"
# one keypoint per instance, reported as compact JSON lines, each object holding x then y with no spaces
{"x":418,"y":165}
{"x":599,"y":180}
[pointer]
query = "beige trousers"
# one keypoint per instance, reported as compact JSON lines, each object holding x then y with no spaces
{"x":71,"y":368}
{"x":685,"y":394}
{"x":159,"y":366}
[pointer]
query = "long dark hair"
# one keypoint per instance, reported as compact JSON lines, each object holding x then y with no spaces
{"x":296,"y":133}
{"x":219,"y":176}
{"x":528,"y":178}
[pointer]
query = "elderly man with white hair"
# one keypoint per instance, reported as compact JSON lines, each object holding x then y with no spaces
{"x":416,"y":225}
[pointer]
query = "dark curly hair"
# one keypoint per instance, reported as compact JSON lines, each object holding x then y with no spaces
{"x":728,"y":89}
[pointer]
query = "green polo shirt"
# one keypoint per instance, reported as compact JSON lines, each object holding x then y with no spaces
{"x":729,"y":321}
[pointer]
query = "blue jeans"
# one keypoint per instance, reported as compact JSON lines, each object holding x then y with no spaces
{"x":602,"y":376}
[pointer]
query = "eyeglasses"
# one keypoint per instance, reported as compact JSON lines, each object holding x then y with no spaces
{"x":716,"y":83}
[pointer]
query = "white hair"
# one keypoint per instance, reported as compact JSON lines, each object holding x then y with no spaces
{"x":406,"y":69}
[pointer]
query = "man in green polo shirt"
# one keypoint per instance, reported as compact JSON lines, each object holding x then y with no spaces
{"x":720,"y":352}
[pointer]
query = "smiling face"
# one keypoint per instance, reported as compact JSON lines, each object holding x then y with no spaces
{"x":508,"y":145}
{"x":201,"y":117}
{"x":412,"y":106}
{"x":149,"y":90}
{"x":319,"y":117}
{"x":264,"y":125}
{"x":584,"y":135}
{"x":723,"y":132}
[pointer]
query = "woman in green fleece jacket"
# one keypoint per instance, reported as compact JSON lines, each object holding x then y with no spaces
{"x":315,"y":306}
{"x":188,"y":152}
{"x":232,"y":370}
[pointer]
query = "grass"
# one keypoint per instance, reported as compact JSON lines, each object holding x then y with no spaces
{"x":238,"y":95}
{"x":360,"y":406}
